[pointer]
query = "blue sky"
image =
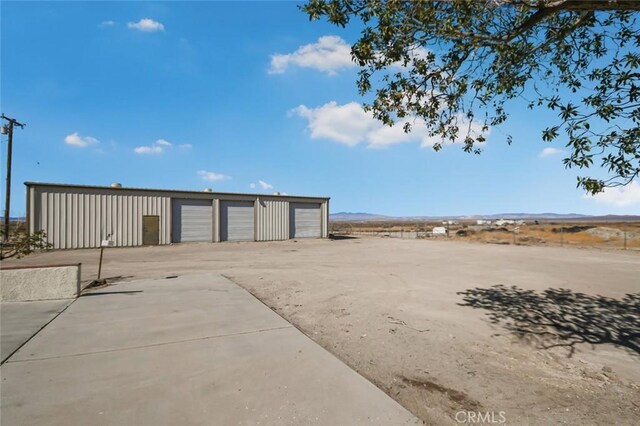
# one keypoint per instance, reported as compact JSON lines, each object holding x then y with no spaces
{"x":246,"y":97}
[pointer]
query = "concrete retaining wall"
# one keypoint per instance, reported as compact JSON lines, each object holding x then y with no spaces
{"x":21,"y":284}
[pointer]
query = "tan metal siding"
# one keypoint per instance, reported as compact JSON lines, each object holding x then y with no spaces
{"x":79,"y":218}
{"x":272,"y":220}
{"x":31,"y":208}
{"x":216,"y":220}
{"x":325,"y":219}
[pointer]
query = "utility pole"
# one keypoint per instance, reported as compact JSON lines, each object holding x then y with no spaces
{"x":8,"y":129}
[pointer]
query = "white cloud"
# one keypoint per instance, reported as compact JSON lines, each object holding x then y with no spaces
{"x":185,"y":146}
{"x":75,"y":139}
{"x":350,"y":125}
{"x":107,"y":24}
{"x":157,"y":147}
{"x":329,"y":54}
{"x":620,"y":196}
{"x":547,"y":152}
{"x":473,"y":128}
{"x":146,"y":25}
{"x":347,"y":124}
{"x":265,"y":185}
{"x":383,"y":136}
{"x":211,"y":176}
{"x":148,"y":150}
{"x":415,"y":53}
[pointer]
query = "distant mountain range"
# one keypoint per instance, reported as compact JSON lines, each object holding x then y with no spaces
{"x":365,"y":217}
{"x":368,"y":217}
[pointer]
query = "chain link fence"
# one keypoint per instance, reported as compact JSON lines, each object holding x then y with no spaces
{"x":613,"y":235}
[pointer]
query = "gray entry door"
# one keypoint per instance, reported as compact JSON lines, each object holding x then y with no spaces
{"x":192,"y":220}
{"x":305,"y":220}
{"x":236,"y":221}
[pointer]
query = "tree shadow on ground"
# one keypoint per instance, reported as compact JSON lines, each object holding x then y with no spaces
{"x":560,"y":317}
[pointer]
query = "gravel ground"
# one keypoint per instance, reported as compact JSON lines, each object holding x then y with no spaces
{"x":537,"y":335}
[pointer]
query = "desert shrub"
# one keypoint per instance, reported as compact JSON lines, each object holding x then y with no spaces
{"x":22,"y":243}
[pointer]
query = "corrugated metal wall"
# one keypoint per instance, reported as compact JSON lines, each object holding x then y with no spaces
{"x":325,"y":218}
{"x":80,"y":218}
{"x":272,"y":218}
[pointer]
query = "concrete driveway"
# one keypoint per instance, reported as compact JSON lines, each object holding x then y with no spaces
{"x":189,"y":350}
{"x":22,"y":320}
{"x":393,"y":311}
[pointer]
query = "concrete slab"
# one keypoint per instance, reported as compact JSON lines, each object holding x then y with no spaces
{"x":192,"y":350}
{"x":152,"y":312}
{"x":19,"y":321}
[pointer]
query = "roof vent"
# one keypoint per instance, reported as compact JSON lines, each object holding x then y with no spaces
{"x":116,"y":185}
{"x":208,"y":190}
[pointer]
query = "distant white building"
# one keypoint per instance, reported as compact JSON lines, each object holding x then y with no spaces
{"x":439,"y":230}
{"x":483,"y":222}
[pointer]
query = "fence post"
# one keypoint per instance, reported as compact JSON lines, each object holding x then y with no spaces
{"x":561,"y":236}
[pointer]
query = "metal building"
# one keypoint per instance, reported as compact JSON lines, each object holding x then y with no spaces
{"x":82,"y":216}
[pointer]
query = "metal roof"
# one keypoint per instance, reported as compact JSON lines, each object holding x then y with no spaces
{"x":175,"y":191}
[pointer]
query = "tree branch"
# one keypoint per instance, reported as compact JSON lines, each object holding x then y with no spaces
{"x":547,"y":9}
{"x":566,"y":30}
{"x":574,"y":5}
{"x":594,"y":5}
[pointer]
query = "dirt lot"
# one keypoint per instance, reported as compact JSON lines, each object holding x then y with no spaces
{"x":425,"y":321}
{"x":583,"y":234}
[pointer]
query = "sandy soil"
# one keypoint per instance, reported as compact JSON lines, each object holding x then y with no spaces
{"x":582,"y":234}
{"x":392,"y":310}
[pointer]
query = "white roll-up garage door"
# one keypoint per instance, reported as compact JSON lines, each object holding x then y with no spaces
{"x":236,"y":221}
{"x":191,"y":220}
{"x":305,"y":220}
